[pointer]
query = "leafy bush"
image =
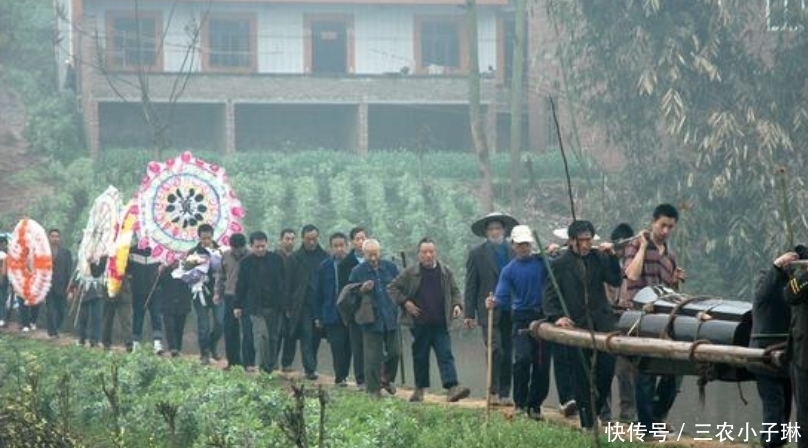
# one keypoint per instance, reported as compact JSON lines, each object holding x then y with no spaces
{"x":69,"y":390}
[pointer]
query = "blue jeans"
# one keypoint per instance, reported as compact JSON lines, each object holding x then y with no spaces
{"x":139,"y":316}
{"x":239,"y":344}
{"x":655,"y":396}
{"x":208,"y":339}
{"x":432,"y":337}
{"x":90,"y":316}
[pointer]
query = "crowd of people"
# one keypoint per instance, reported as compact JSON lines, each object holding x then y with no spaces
{"x":268,"y":306}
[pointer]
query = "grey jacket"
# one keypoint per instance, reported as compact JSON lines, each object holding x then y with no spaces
{"x":227,"y":274}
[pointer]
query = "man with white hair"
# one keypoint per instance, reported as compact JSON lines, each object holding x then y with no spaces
{"x":380,"y":326}
{"x":483,"y":267}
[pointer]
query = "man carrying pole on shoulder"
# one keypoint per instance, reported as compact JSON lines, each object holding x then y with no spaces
{"x":580,"y":301}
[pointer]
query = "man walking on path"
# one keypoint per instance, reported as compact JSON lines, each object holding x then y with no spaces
{"x":520,"y":290}
{"x":380,"y":319}
{"x":260,"y":297}
{"x":483,"y":266}
{"x":431,"y":299}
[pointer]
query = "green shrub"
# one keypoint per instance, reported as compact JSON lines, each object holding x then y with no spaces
{"x":67,"y":390}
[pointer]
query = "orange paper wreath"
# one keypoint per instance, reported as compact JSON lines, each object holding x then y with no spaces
{"x":29,"y":261}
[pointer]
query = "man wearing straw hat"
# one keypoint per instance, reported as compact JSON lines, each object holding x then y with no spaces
{"x":483,"y":266}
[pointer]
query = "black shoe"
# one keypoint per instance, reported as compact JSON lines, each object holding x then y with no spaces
{"x":535,"y":414}
{"x":312,"y":376}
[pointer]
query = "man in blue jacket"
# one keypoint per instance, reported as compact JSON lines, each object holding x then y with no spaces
{"x":379,"y":337}
{"x":519,"y":289}
{"x":326,"y":296}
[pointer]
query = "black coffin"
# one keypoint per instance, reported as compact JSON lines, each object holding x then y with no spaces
{"x":663,"y":300}
{"x":721,"y":322}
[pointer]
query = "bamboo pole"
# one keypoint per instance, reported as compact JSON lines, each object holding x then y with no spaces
{"x":489,"y":376}
{"x":654,"y":347}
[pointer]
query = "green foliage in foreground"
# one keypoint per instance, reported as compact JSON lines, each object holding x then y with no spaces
{"x":66,"y":387}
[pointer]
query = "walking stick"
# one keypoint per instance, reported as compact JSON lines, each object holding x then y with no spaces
{"x":151,"y":292}
{"x":400,"y":336}
{"x":489,"y":371}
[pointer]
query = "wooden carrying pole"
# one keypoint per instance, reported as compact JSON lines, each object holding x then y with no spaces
{"x":655,"y":348}
{"x":490,"y":366}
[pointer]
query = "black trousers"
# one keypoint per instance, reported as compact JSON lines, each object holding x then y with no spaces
{"x":120,"y":309}
{"x":775,"y":397}
{"x":29,"y":314}
{"x":563,"y":361}
{"x":174,"y":328}
{"x":340,"y":342}
{"x":799,"y":380}
{"x":581,"y":368}
{"x":357,"y":351}
{"x":56,"y":308}
{"x":531,"y":364}
{"x":239,"y":343}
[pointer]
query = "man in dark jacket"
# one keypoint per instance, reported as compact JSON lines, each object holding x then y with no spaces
{"x":305,"y":263}
{"x":143,"y":271}
{"x":796,"y":295}
{"x":582,"y":274}
{"x":56,"y":299}
{"x":176,"y":298}
{"x":260,"y":298}
{"x":206,"y":306}
{"x":380,"y":334}
{"x":483,"y":266}
{"x":358,"y":235}
{"x":328,"y":318}
{"x":239,"y":346}
{"x":286,"y":248}
{"x":431,"y":299}
{"x":771,"y":316}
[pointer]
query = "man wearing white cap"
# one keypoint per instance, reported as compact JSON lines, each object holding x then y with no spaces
{"x":519,"y":290}
{"x":483,"y":266}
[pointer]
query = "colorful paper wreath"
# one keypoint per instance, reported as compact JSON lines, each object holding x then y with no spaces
{"x":99,"y":233}
{"x":29,"y":261}
{"x":119,"y":256}
{"x":178,"y":196}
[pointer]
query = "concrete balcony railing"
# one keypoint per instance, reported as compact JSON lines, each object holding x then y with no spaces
{"x":262,"y":88}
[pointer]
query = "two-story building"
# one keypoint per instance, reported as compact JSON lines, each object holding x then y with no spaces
{"x":297,"y":74}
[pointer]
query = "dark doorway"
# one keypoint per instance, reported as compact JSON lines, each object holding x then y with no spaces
{"x":329,"y":46}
